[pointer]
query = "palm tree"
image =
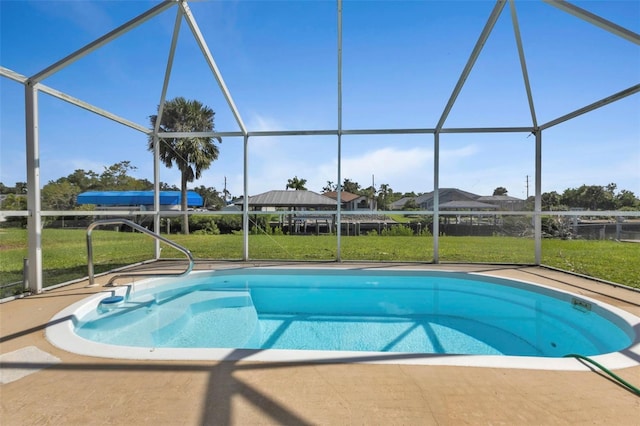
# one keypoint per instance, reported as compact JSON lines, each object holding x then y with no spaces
{"x":297,"y":184}
{"x":191,"y":155}
{"x":384,"y":194}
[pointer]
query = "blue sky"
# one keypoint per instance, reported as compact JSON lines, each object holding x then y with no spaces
{"x":401,"y":61}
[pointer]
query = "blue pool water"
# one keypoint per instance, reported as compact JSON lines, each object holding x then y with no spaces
{"x":363,"y":310}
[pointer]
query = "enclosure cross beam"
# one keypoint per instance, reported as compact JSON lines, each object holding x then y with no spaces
{"x":595,"y":20}
{"x":212,"y":64}
{"x":96,"y":44}
{"x":484,"y":35}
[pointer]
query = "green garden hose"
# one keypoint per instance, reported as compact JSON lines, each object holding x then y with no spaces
{"x":609,"y":372}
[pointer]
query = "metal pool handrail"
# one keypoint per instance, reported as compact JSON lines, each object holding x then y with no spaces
{"x":144,"y":231}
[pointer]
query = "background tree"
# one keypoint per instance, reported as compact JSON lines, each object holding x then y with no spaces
{"x":190,"y":155}
{"x":21,"y":187}
{"x":116,"y":178}
{"x":60,"y":195}
{"x":330,"y":187}
{"x":370,"y":193}
{"x":166,"y":187}
{"x":211,"y":198}
{"x":85,"y":180}
{"x":501,"y":190}
{"x":350,"y":186}
{"x":592,"y":197}
{"x":551,"y":201}
{"x":5,"y":189}
{"x":297,"y":184}
{"x":15,"y":202}
{"x":385,"y":195}
{"x":627,"y":200}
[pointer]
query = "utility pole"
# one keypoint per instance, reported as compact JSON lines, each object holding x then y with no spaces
{"x":527,"y":187}
{"x":373,"y":190}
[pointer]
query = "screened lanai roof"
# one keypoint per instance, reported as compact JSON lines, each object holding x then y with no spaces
{"x":327,"y":91}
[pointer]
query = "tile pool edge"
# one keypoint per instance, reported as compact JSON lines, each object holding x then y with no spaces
{"x":61,"y":334}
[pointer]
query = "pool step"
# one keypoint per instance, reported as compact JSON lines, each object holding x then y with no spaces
{"x":228,"y":319}
{"x":147,"y":325}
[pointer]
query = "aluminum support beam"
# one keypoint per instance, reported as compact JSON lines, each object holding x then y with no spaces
{"x":122,"y":29}
{"x":537,"y":216}
{"x":91,"y":108}
{"x":12,"y":75}
{"x":339,"y":185}
{"x":34,"y":220}
{"x":271,"y":133}
{"x":523,"y":62}
{"x":602,"y":102}
{"x":436,"y":197}
{"x":294,"y":133}
{"x":212,"y":64}
{"x":493,"y":18}
{"x":156,"y":128}
{"x":5,"y":72}
{"x":526,"y":129}
{"x":595,"y":20}
{"x":245,"y":201}
{"x":199,"y":134}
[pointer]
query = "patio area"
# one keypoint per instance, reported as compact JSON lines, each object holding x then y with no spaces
{"x":85,"y":390}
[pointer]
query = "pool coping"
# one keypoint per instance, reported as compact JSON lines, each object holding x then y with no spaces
{"x":60,"y":333}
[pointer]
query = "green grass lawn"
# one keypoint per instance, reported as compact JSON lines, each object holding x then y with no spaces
{"x":64,"y":252}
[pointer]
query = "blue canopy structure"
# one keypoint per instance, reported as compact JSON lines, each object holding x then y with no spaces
{"x":137,"y":198}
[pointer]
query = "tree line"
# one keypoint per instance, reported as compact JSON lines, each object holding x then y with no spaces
{"x":590,"y":197}
{"x":62,"y":193}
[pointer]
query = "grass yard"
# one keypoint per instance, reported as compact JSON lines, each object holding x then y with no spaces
{"x":64,"y":252}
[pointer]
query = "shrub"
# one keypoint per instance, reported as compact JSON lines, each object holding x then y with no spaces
{"x":557,"y":227}
{"x":203,"y":225}
{"x":397,"y":231}
{"x":229,"y":224}
{"x":515,"y":226}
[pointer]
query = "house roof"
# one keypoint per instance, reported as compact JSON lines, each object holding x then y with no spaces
{"x":137,"y":198}
{"x":345,"y":196}
{"x":467,"y":205}
{"x":498,"y":198}
{"x":400,"y":203}
{"x":281,"y":198}
{"x":446,"y":191}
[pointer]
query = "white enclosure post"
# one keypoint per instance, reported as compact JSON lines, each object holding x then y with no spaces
{"x":436,"y":197}
{"x":537,"y":217}
{"x":156,"y":193}
{"x":339,"y":185}
{"x":156,"y":129}
{"x":34,"y":221}
{"x":245,"y":202}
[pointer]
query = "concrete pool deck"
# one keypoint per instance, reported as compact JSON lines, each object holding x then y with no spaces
{"x":87,"y":390}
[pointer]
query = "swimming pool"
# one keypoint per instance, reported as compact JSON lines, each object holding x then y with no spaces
{"x":336,"y":314}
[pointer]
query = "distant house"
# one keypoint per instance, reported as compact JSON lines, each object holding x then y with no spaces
{"x":399,"y":204}
{"x":138,"y":200}
{"x":352,"y":201}
{"x":457,"y":199}
{"x":289,"y":200}
{"x":504,"y":202}
{"x":446,"y":195}
{"x":303,"y":209}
